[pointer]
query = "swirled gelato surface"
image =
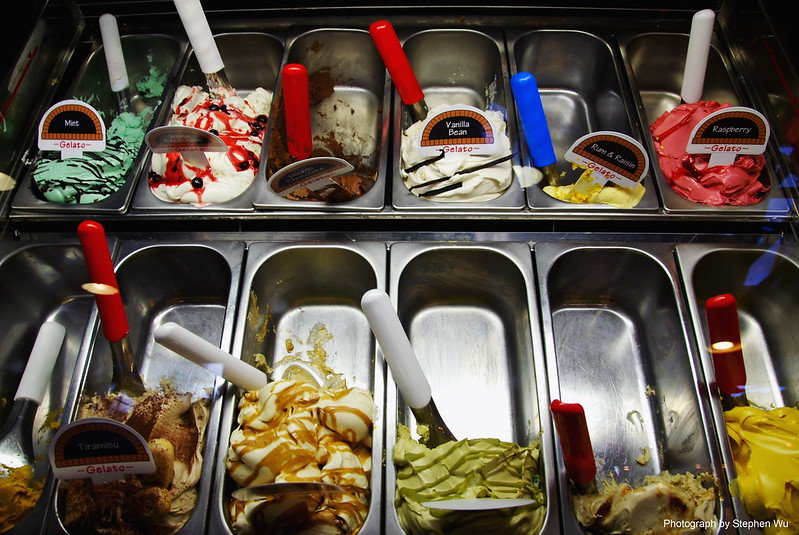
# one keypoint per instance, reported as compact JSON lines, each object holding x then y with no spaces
{"x":19,"y":493}
{"x":239,"y":121}
{"x":474,"y":186}
{"x":664,"y":504}
{"x":765,"y":449}
{"x":470,"y":468}
{"x":149,"y":504}
{"x":294,"y":431}
{"x":691,"y":176}
{"x":610,"y":194}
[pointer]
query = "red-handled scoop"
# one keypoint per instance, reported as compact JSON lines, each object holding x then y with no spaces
{"x":399,"y":68}
{"x":578,"y":454}
{"x":109,"y":305}
{"x":296,"y":103}
{"x":725,"y":344}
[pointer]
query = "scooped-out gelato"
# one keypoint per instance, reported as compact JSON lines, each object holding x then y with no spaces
{"x":664,"y":504}
{"x":294,"y":431}
{"x":239,"y":121}
{"x":159,"y":503}
{"x":345,"y":138}
{"x":462,"y":183}
{"x":19,"y":493}
{"x":691,"y":176}
{"x":95,"y":176}
{"x":608,"y":193}
{"x":469,"y":468}
{"x":765,"y":449}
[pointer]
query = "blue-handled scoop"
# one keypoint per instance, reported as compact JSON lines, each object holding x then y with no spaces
{"x":534,"y":125}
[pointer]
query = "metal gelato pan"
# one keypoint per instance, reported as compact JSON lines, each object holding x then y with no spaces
{"x":193,"y":285}
{"x":143,"y":53}
{"x":355,"y":116}
{"x":288,"y":291}
{"x":763,"y":281}
{"x":617,"y":342}
{"x":41,"y":282}
{"x":655,"y":63}
{"x":251,"y":60}
{"x":580,"y":85}
{"x":457,"y":67}
{"x":471,"y":318}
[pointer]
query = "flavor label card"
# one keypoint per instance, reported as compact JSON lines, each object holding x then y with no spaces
{"x":72,"y":127}
{"x":728,"y":132}
{"x":461,"y":129}
{"x":314,"y":174}
{"x":99,"y":448}
{"x":610,"y":156}
{"x":191,"y":143}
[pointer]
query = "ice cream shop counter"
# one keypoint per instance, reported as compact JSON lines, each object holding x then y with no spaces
{"x":399,"y":270}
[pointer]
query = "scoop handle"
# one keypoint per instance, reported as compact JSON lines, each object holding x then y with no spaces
{"x":200,"y":351}
{"x":41,"y":361}
{"x":296,"y":103}
{"x":534,"y":122}
{"x":114,"y":58}
{"x":578,"y":454}
{"x":693,"y":78}
{"x":397,"y":349}
{"x":725,"y":343}
{"x":397,"y":64}
{"x":101,"y":270}
{"x":202,"y":40}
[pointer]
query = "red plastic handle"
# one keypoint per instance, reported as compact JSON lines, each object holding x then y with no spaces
{"x":578,"y":454}
{"x":397,"y":64}
{"x":725,"y":343}
{"x":101,"y":270}
{"x":298,"y":111}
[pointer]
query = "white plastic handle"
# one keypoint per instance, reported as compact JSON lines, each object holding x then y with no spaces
{"x":202,"y":40}
{"x":693,"y":78}
{"x":112,"y":45}
{"x":200,"y":351}
{"x":41,"y":361}
{"x":397,"y":349}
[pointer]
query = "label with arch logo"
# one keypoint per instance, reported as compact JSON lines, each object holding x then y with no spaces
{"x":457,"y":129}
{"x":72,"y":127}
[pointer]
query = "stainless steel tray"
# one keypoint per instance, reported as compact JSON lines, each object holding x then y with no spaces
{"x":470,"y":313}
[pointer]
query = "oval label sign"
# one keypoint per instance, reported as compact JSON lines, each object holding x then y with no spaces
{"x":72,"y":127}
{"x":99,"y":448}
{"x":611,"y":156}
{"x":461,"y":129}
{"x":727,"y":132}
{"x":315,"y":174}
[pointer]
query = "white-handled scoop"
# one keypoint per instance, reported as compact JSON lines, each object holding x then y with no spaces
{"x":117,"y":70}
{"x":16,"y":438}
{"x":200,"y":351}
{"x":405,"y":368}
{"x":202,"y":42}
{"x":693,"y":79}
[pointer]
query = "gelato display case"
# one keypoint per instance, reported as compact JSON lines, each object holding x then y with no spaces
{"x":515,"y":296}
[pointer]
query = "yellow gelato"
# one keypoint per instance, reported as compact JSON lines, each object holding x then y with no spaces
{"x":664,"y":504}
{"x":608,"y":194}
{"x":471,"y":468}
{"x":19,"y":492}
{"x":293,"y":431}
{"x":765,"y":448}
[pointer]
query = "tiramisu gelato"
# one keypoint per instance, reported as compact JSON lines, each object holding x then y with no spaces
{"x":765,"y":449}
{"x":157,"y":503}
{"x":691,"y":176}
{"x":470,"y":468}
{"x":239,"y":121}
{"x":294,"y":431}
{"x":663,"y":504}
{"x":341,"y":138}
{"x":455,"y":177}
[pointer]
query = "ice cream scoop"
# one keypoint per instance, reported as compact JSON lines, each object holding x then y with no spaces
{"x":16,"y":437}
{"x":125,"y":378}
{"x":693,"y":80}
{"x":296,"y":103}
{"x":200,"y":351}
{"x":578,"y":454}
{"x":534,"y":124}
{"x":202,"y":42}
{"x":405,"y":368}
{"x":115,"y":61}
{"x":399,"y":68}
{"x":725,"y":347}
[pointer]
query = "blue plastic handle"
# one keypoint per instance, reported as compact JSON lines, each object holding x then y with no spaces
{"x":534,"y":123}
